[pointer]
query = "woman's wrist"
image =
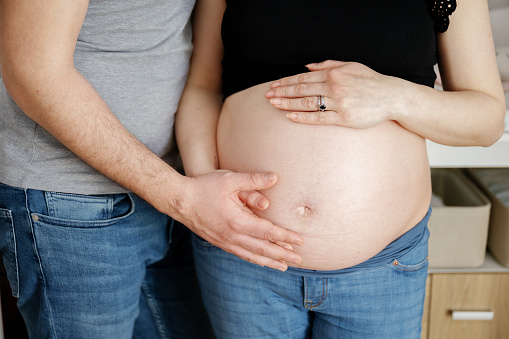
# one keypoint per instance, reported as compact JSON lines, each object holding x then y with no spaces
{"x":196,"y":170}
{"x":405,"y":98}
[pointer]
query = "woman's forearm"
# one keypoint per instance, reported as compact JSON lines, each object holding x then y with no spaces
{"x":201,"y":101}
{"x":459,"y":118}
{"x":469,"y":112}
{"x":195,"y":128}
{"x":471,"y":109}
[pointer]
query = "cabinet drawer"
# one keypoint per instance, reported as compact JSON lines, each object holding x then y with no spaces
{"x":473,"y":299}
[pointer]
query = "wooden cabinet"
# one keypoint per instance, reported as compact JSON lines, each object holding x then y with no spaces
{"x":484,"y":289}
{"x":457,"y":293}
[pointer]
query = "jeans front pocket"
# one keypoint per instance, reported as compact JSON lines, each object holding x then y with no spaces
{"x":416,"y":258}
{"x":76,"y":235}
{"x":411,"y":267}
{"x":8,"y":249}
{"x":84,"y":211}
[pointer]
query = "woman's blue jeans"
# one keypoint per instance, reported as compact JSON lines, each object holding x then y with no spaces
{"x":248,"y":301}
{"x":107,"y":266}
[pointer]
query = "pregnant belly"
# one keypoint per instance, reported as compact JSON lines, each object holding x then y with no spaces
{"x":348,"y":192}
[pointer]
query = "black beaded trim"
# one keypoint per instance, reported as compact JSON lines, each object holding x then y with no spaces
{"x":440,"y":11}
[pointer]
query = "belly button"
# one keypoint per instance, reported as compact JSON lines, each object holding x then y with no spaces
{"x":304,"y":211}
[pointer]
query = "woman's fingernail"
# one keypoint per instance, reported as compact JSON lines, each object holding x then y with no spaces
{"x":275,"y":101}
{"x":292,"y":116}
{"x":269,"y":94}
{"x":311,"y":64}
{"x":276,"y":84}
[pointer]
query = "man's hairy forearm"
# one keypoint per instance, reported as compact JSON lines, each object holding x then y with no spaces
{"x":66,"y":105}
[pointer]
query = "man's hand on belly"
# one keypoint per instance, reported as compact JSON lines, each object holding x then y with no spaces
{"x":219,"y":213}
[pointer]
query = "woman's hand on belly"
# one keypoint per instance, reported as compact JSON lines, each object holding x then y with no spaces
{"x":354,"y":95}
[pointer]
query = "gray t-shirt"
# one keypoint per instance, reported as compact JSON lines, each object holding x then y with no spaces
{"x":136,"y":55}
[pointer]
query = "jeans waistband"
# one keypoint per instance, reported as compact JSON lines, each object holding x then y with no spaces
{"x":399,"y":246}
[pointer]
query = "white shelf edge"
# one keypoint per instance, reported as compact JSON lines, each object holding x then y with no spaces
{"x":490,"y":265}
{"x":497,"y":155}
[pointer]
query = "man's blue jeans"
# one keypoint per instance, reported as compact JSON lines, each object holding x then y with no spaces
{"x":104,"y":266}
{"x":248,"y":301}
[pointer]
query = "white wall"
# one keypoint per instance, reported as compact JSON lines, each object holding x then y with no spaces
{"x":498,"y":3}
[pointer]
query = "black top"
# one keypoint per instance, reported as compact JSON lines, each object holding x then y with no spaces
{"x":265,"y":40}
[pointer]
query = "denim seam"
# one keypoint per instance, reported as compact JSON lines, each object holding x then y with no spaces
{"x":159,"y":323}
{"x":306,"y":293}
{"x":409,"y":268}
{"x":325,"y":289}
{"x":15,"y":250}
{"x":36,"y":252}
{"x":109,"y":210}
{"x":49,"y":203}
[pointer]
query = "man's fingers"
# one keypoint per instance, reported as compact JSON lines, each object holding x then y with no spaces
{"x":285,"y":245}
{"x":254,"y":199}
{"x":252,"y":181}
{"x":258,"y":260}
{"x":265,"y":230}
{"x":265,"y":253}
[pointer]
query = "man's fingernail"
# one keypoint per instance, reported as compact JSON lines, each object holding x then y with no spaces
{"x":269,"y":176}
{"x":311,"y":64}
{"x":292,"y":116}
{"x":263,"y":204}
{"x":276,"y":84}
{"x":269,"y":94}
{"x":275,"y":101}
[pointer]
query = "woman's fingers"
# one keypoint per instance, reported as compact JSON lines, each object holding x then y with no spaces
{"x":299,"y":90}
{"x":303,"y":78}
{"x":325,"y":64}
{"x":306,"y":104}
{"x":316,"y":118}
{"x":309,"y":77}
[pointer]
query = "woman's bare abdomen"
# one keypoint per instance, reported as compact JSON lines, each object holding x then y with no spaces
{"x":347,"y":192}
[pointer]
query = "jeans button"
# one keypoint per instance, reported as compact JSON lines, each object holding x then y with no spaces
{"x":35,"y":217}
